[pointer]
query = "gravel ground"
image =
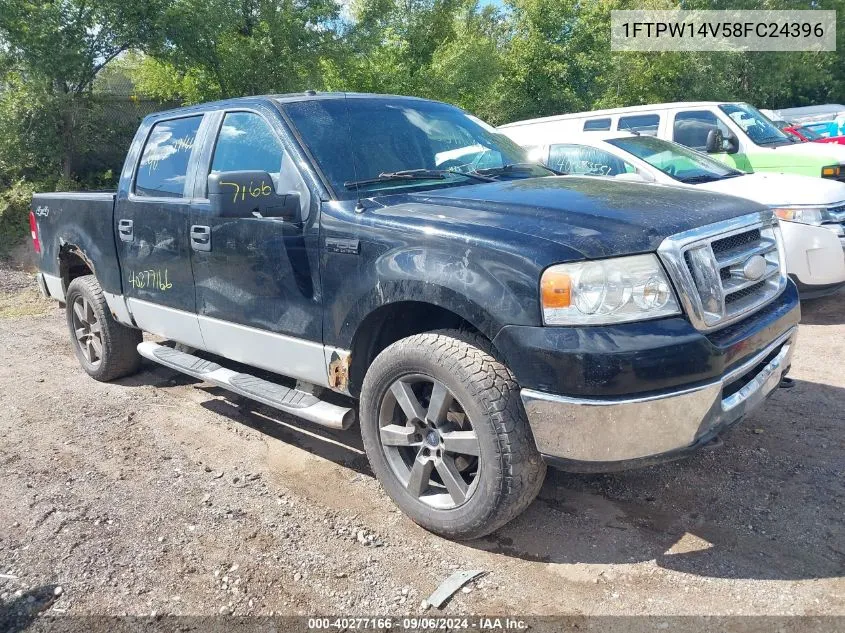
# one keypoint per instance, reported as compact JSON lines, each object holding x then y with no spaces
{"x":158,"y":494}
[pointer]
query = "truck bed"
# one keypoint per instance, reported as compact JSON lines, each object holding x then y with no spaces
{"x":84,"y":220}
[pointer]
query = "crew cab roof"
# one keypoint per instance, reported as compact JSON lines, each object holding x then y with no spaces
{"x":310,"y":95}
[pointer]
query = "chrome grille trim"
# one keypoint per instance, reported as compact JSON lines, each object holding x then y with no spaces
{"x":711,"y":283}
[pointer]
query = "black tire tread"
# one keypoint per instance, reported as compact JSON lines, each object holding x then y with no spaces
{"x":120,"y":343}
{"x":470,"y":357}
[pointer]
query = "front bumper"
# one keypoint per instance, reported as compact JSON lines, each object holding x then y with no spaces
{"x":814,"y":255}
{"x":599,"y":434}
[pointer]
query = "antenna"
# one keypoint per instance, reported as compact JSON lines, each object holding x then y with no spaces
{"x":359,"y":208}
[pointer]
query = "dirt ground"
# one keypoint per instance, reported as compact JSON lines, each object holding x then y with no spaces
{"x":158,"y":494}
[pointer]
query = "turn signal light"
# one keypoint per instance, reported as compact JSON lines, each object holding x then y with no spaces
{"x":832,"y":171}
{"x":556,"y":289}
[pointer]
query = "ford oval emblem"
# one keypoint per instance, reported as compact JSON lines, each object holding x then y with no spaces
{"x":754,"y":267}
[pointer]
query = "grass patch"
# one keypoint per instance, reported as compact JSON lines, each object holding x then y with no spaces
{"x":24,"y":304}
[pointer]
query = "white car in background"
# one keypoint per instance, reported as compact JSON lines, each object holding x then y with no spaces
{"x":811,"y":210}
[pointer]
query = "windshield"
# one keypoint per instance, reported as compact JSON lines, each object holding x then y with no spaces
{"x":370,"y":145}
{"x":758,"y":128}
{"x":809,"y":133}
{"x":677,"y":161}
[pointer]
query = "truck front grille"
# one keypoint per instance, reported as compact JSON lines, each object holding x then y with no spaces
{"x":726,"y":270}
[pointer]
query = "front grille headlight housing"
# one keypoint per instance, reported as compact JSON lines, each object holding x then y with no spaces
{"x":802,"y":215}
{"x":598,"y":292}
{"x":815,"y":216}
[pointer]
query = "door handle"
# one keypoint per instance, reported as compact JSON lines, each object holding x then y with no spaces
{"x":125,"y":230}
{"x":201,"y":237}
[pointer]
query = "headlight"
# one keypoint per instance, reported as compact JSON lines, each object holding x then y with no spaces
{"x":802,"y":215}
{"x":606,"y":291}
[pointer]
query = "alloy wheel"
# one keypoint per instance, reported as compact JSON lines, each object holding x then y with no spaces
{"x":429,"y":442}
{"x":87,"y":330}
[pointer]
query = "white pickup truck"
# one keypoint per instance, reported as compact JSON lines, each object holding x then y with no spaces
{"x":811,"y":210}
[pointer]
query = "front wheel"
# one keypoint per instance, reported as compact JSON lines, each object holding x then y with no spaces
{"x":446,"y":434}
{"x":105,"y":348}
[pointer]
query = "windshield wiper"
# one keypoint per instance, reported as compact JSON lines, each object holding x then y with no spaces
{"x":414,"y":174}
{"x":771,"y":140}
{"x":514,"y":167}
{"x":709,"y":178}
{"x":700,"y":179}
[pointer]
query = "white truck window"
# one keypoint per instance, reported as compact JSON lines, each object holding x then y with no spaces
{"x":692,"y":127}
{"x":642,"y":123}
{"x":597,"y":125}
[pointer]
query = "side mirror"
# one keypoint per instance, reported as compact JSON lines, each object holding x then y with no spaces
{"x":250,"y":194}
{"x":715,"y":141}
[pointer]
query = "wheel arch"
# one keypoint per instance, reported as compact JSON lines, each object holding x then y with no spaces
{"x":394,"y":321}
{"x":73,"y":263}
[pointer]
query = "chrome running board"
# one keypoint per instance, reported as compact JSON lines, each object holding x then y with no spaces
{"x":298,"y":403}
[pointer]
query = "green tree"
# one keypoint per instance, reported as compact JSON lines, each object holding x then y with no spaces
{"x":211,"y":49}
{"x":57,"y":49}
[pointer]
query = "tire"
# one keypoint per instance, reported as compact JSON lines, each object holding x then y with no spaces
{"x":502,"y":472}
{"x":106,"y":349}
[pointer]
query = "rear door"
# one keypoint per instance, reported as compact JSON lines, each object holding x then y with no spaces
{"x":152,"y":222}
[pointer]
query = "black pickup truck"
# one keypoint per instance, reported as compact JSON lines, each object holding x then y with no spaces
{"x":395,"y":260}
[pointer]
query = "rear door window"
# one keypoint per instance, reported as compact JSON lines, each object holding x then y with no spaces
{"x":597,"y":125}
{"x":581,"y":160}
{"x":642,"y":123}
{"x":163,"y":169}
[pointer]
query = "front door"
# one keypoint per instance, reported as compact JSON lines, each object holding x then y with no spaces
{"x":152,"y":233}
{"x":257,"y":282}
{"x":691,"y":127}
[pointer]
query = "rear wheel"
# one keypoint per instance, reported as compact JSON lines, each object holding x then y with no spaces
{"x":105,"y":348}
{"x":446,"y":434}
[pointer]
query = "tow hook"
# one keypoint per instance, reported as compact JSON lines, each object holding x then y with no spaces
{"x":786,"y":383}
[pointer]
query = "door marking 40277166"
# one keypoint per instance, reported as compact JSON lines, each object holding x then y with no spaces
{"x":150,"y":279}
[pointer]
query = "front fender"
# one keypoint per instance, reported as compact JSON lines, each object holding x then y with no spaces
{"x":488,"y":276}
{"x":486,"y":291}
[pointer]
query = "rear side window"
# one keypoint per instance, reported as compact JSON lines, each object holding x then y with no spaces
{"x":597,"y":125}
{"x":586,"y":161}
{"x":247,"y":143}
{"x":691,"y":128}
{"x":642,"y":123}
{"x":164,"y":162}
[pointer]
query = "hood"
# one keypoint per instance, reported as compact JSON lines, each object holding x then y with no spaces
{"x":816,"y":150}
{"x":595,"y":216}
{"x":780,"y":189}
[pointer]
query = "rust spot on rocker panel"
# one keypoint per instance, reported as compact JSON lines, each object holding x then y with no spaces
{"x":339,"y":371}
